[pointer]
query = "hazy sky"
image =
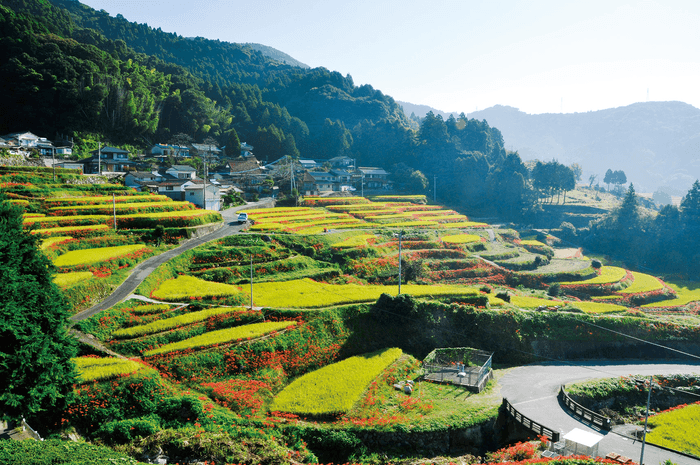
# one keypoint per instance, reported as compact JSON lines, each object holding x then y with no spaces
{"x":538,"y":56}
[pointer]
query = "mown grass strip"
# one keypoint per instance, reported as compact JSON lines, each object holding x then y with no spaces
{"x":466,"y":224}
{"x":305,"y":293}
{"x":222,"y":336}
{"x":76,"y":231}
{"x":183,"y":287}
{"x":335,"y":388}
{"x":170,"y":323}
{"x":92,"y":256}
{"x":101,"y":368}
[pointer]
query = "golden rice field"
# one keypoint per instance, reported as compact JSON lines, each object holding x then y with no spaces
{"x":222,"y":336}
{"x":677,"y":429}
{"x":74,"y":277}
{"x":183,"y":287}
{"x":465,"y":224}
{"x":100,"y":368}
{"x":686,"y":292}
{"x":534,"y":302}
{"x":171,"y":323}
{"x":93,"y":256}
{"x":461,"y":239}
{"x":69,"y":229}
{"x":608,"y":275}
{"x":643,"y":283}
{"x":335,"y":388}
{"x":49,"y":241}
{"x":532,"y":242}
{"x":355,"y":241}
{"x":597,"y":307}
{"x":306,"y":293}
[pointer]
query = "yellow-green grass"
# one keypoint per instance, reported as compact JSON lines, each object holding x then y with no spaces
{"x":306,"y":293}
{"x":184,"y":287}
{"x":643,"y":283}
{"x":597,"y":307}
{"x":335,"y":388}
{"x":49,"y":241}
{"x":461,"y":238}
{"x":531,"y":242}
{"x":222,"y":336}
{"x":355,"y":241}
{"x":465,"y":224}
{"x":608,"y":275}
{"x":686,"y":292}
{"x":94,"y":368}
{"x":276,"y":216}
{"x":170,"y":323}
{"x":71,"y":229}
{"x":74,"y":277}
{"x":92,"y":256}
{"x":677,"y":429}
{"x":357,"y":207}
{"x":534,"y":302}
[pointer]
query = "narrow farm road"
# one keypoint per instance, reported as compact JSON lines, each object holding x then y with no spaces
{"x":532,"y":389}
{"x":230,"y":226}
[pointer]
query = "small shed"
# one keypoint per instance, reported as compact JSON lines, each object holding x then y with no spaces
{"x":579,"y":442}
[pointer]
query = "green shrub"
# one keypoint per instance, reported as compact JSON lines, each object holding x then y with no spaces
{"x":123,"y":431}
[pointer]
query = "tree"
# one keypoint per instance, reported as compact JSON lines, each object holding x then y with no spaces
{"x":628,"y":213}
{"x":591,"y":179}
{"x":609,"y":178}
{"x":36,"y":373}
{"x":578,"y":171}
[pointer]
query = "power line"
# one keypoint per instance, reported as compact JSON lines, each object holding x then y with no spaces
{"x":642,"y":340}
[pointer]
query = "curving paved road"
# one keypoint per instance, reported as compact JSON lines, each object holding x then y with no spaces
{"x":533,"y":389}
{"x":230,"y":226}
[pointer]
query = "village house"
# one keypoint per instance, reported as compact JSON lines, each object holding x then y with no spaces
{"x":143,"y":181}
{"x":111,"y":159}
{"x":24,"y":141}
{"x":374,"y":178}
{"x":161,"y":152}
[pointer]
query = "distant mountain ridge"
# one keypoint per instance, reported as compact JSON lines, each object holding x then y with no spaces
{"x":657,"y":144}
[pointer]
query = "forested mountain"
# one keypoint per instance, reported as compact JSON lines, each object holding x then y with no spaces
{"x":276,"y":55}
{"x":656,"y":143}
{"x":69,"y":69}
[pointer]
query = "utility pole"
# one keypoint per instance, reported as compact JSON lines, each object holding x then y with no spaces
{"x":646,"y":419}
{"x":400,"y":235}
{"x":434,"y":188}
{"x":205,"y":177}
{"x":363,"y":186}
{"x":114,"y":210}
{"x":99,"y":157}
{"x":251,"y":284}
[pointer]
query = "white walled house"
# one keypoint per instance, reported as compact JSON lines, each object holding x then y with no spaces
{"x":182,"y":172}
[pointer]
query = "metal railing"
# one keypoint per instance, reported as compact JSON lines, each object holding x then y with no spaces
{"x":530,"y":424}
{"x":582,"y":412}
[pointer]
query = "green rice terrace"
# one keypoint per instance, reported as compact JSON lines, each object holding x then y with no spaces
{"x":286,"y":343}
